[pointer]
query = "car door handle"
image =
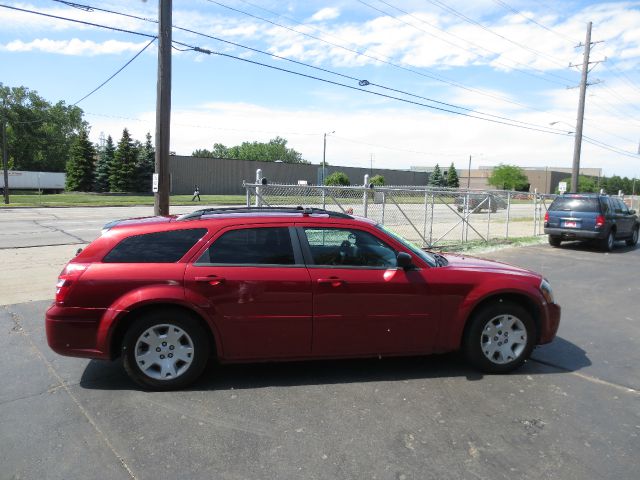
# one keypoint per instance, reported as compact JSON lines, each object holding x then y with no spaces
{"x":333,"y":281}
{"x":211,"y":280}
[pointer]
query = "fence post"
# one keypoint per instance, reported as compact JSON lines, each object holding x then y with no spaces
{"x":426,"y":214}
{"x":365,"y":194}
{"x":467,"y":216}
{"x":384,"y":203}
{"x":508,"y":213}
{"x":535,"y":212}
{"x":433,"y":199}
{"x":489,"y":218}
{"x":258,"y":182}
{"x":248,"y":193}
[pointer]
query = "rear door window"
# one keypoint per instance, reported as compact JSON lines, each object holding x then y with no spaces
{"x":159,"y":247}
{"x":251,"y":246}
{"x":575,"y":204}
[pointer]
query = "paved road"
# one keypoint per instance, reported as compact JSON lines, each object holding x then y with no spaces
{"x":571,"y":413}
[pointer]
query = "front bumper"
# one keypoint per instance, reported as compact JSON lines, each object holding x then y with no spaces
{"x":73,"y":332}
{"x":573,"y":233}
{"x":550,"y":327}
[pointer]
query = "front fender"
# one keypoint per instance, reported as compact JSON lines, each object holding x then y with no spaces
{"x":453,"y":330}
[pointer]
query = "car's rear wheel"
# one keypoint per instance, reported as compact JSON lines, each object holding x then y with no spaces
{"x":554,"y":240}
{"x":165,"y":350}
{"x":609,"y":241}
{"x":634,"y":238}
{"x":500,"y":337}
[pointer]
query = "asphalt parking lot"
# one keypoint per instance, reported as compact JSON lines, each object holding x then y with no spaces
{"x":572,"y":412}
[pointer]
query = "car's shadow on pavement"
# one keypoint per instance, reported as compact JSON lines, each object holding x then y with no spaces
{"x":561,"y":356}
{"x":586,"y":246}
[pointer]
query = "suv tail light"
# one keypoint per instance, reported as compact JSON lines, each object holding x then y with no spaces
{"x":69,"y":275}
{"x":546,"y":217}
{"x":600,"y":220}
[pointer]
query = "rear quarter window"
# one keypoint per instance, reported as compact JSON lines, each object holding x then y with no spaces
{"x":159,"y":247}
{"x":572,"y":204}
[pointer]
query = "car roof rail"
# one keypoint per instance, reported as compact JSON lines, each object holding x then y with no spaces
{"x":253,"y":210}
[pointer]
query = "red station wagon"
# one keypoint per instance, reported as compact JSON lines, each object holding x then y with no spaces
{"x":268,"y":284}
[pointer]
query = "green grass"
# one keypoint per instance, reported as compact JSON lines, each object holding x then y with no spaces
{"x":97,"y":200}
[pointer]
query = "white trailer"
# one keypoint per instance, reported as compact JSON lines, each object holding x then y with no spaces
{"x":52,"y":182}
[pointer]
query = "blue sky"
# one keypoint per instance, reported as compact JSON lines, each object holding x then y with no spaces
{"x":501,"y":60}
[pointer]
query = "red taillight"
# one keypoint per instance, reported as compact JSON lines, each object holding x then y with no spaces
{"x":546,"y":216}
{"x":600,"y":221}
{"x":71,"y":273}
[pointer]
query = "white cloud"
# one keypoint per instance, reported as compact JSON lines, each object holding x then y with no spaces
{"x":74,"y":47}
{"x":328,"y":13}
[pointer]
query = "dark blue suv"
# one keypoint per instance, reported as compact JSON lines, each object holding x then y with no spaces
{"x":589,"y":216}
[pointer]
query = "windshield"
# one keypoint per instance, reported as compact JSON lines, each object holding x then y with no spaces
{"x":426,"y":256}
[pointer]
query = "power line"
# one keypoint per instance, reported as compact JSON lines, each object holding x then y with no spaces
{"x":467,"y":19}
{"x":116,"y":73}
{"x":201,"y":50}
{"x":377,"y":59}
{"x":508,"y":7}
{"x":360,"y":81}
{"x":542,"y":72}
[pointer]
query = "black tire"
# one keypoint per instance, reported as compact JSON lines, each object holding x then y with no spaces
{"x":608,"y":242}
{"x":185,"y":337}
{"x":554,"y":240}
{"x":486,"y":353}
{"x":634,"y":237}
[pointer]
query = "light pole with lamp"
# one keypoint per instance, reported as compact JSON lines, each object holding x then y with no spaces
{"x":324,"y":155}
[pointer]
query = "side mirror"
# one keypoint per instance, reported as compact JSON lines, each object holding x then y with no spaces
{"x":404,"y":260}
{"x":632,"y":212}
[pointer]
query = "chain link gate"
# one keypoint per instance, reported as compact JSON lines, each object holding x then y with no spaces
{"x":425,"y":216}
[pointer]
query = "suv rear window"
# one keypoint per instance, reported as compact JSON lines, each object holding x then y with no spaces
{"x":160,"y":247}
{"x":575,"y":204}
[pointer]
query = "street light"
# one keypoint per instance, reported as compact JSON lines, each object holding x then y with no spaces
{"x":324,"y":155}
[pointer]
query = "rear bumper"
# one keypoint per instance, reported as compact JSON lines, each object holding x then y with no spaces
{"x":573,"y":233}
{"x":550,"y":327}
{"x":73,"y":332}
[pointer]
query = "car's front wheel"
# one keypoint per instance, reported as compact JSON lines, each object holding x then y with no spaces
{"x":634,"y":238}
{"x":500,"y":337}
{"x":165,"y":350}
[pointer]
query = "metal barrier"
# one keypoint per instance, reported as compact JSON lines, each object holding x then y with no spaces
{"x":426,"y":216}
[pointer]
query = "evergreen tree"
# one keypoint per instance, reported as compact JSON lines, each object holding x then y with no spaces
{"x":436,"y":178}
{"x":452,"y":177}
{"x":104,"y":164}
{"x":145,"y":166}
{"x":122,"y":175}
{"x":80,"y":164}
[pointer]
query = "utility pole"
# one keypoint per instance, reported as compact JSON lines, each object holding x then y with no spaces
{"x":575,"y":171}
{"x":163,"y":108}
{"x":5,"y":159}
{"x":469,"y":173}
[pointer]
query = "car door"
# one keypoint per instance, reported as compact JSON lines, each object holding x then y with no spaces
{"x":624,"y":220}
{"x":253,"y":283}
{"x":362,"y":303}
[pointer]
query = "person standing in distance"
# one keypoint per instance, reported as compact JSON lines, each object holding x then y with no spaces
{"x":196,"y":193}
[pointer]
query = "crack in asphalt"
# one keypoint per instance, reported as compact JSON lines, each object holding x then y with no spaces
{"x":62,"y":384}
{"x":590,"y":378}
{"x":55,"y":229}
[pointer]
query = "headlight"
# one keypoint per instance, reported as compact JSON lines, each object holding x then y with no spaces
{"x":547,"y":292}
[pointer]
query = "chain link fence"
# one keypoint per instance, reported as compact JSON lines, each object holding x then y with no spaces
{"x":426,"y":216}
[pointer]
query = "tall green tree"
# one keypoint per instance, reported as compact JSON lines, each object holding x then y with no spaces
{"x":80,"y":166}
{"x":145,"y":165}
{"x":436,"y":179}
{"x":452,"y":177}
{"x":585,"y":184}
{"x":508,"y":177}
{"x":104,"y":164}
{"x":274,"y":150}
{"x":377,"y":180}
{"x":122,"y":175}
{"x":39,"y":134}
